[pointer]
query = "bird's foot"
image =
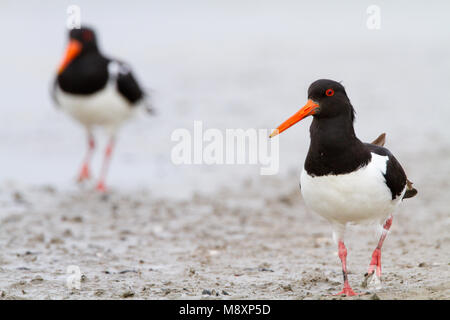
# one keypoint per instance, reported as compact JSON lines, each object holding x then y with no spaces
{"x":84,"y":174}
{"x":348,"y":292}
{"x":372,"y":281}
{"x":101,"y":187}
{"x":372,"y":278}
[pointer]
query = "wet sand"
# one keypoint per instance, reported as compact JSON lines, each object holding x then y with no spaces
{"x":254,"y":241}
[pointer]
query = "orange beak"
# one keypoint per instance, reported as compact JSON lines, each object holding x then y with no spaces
{"x":308,"y":109}
{"x":73,"y":49}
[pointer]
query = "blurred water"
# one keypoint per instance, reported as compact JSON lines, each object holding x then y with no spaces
{"x":234,"y":64}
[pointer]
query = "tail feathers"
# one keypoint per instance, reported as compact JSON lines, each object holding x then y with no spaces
{"x":149,"y":107}
{"x":410,"y":190}
{"x":380,"y":141}
{"x":148,"y":103}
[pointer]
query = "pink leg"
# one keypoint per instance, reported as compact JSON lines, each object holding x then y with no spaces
{"x":376,"y":255}
{"x":85,"y":172}
{"x":108,"y":152}
{"x":348,"y":291}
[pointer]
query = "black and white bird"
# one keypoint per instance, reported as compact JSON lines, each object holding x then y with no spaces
{"x":345,"y":180}
{"x":96,"y":91}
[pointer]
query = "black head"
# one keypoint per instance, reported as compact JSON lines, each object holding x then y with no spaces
{"x":81,"y":42}
{"x":331,"y":98}
{"x":326,"y":99}
{"x":85,"y":36}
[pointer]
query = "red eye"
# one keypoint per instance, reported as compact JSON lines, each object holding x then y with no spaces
{"x":87,"y":36}
{"x":329,"y":92}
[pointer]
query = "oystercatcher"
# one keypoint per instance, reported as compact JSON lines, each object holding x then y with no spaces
{"x":345,"y":180}
{"x":96,"y":91}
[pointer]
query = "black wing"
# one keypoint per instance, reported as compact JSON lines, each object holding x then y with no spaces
{"x":126,"y":82}
{"x":129,"y":88}
{"x":395,"y":176}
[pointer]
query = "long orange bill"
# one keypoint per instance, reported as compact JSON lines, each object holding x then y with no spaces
{"x":73,"y":49}
{"x":308,"y":109}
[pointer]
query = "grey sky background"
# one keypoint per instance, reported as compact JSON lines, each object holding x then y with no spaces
{"x":232,"y":64}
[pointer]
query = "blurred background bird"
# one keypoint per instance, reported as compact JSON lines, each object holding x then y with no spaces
{"x":96,"y":90}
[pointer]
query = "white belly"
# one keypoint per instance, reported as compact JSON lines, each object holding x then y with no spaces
{"x":354,"y":197}
{"x":105,"y":108}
